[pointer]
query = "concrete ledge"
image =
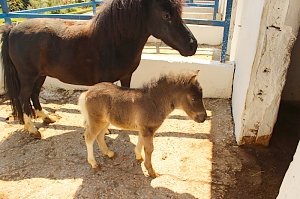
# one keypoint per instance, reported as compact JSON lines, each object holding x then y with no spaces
{"x":210,"y":35}
{"x":198,"y":9}
{"x":215,"y":77}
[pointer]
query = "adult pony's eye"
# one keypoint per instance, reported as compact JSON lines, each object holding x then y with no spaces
{"x":166,"y":16}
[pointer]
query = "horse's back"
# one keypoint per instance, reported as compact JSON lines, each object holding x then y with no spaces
{"x":113,"y":104}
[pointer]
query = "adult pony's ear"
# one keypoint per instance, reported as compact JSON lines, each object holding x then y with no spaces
{"x":193,"y":78}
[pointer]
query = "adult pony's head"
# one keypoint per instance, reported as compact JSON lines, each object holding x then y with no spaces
{"x":128,"y":20}
{"x":165,"y":23}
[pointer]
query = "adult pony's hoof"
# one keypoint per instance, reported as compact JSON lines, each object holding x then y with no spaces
{"x":48,"y":120}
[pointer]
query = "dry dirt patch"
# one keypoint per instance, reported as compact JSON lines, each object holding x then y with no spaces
{"x":194,"y":160}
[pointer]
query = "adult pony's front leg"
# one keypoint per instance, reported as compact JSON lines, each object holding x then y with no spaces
{"x":125,"y":81}
{"x":39,"y":112}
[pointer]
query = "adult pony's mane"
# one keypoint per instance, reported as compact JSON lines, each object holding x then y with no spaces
{"x":121,"y":16}
{"x":171,"y":81}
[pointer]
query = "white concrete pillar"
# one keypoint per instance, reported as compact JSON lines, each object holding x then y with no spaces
{"x":261,"y":48}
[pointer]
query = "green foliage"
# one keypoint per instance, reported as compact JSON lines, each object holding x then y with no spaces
{"x":15,"y":5}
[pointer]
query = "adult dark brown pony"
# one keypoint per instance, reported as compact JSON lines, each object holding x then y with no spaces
{"x":142,"y":109}
{"x":106,"y":48}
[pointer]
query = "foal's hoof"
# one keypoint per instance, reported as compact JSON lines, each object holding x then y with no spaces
{"x":110,"y":154}
{"x":97,"y":168}
{"x":139,"y":158}
{"x":48,"y":120}
{"x":36,"y":135}
{"x":153,"y":174}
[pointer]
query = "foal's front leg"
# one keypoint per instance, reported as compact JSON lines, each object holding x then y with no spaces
{"x":148,"y":148}
{"x":139,"y":147}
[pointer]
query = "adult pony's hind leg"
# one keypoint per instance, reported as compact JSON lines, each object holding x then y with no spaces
{"x":36,"y":102}
{"x":26,"y":90}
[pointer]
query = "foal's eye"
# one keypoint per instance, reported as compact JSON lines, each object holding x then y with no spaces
{"x":166,"y":16}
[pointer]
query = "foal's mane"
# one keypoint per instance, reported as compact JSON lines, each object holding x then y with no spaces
{"x":173,"y":81}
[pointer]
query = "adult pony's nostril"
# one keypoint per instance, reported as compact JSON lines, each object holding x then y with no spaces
{"x":193,"y":45}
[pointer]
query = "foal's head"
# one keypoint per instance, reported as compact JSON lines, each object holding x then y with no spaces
{"x":191,"y":100}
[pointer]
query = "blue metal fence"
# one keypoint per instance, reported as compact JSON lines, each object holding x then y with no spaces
{"x":35,"y":13}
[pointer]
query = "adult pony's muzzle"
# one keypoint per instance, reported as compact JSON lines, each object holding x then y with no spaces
{"x":191,"y":48}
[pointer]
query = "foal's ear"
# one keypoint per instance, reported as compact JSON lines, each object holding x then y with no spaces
{"x":194,"y":77}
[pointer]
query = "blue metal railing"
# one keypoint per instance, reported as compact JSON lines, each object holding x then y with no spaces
{"x":35,"y":13}
{"x":214,"y":4}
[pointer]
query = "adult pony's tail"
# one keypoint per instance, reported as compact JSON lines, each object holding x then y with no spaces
{"x":11,"y":80}
{"x":83,"y":110}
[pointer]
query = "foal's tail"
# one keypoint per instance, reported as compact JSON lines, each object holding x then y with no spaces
{"x":11,"y":79}
{"x":83,"y":110}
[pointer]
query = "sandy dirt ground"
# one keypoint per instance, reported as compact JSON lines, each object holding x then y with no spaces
{"x":194,"y":160}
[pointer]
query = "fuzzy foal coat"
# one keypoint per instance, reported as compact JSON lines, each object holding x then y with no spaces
{"x":138,"y":109}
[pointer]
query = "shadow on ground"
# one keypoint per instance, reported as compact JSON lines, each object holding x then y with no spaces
{"x":264,"y":167}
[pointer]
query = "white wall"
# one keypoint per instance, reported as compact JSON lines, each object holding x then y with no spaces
{"x":214,"y":77}
{"x":243,"y":49}
{"x":290,"y":187}
{"x":293,"y":15}
{"x":291,"y":91}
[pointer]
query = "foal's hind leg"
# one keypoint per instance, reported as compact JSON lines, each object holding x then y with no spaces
{"x":90,"y":136}
{"x":102,"y":144}
{"x":36,"y":102}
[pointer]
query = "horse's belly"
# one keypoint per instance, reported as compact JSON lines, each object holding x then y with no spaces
{"x":124,"y":125}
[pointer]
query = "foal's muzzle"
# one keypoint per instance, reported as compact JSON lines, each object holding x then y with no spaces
{"x":201,"y":117}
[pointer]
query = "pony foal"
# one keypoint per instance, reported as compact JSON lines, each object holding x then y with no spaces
{"x":142,"y":109}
